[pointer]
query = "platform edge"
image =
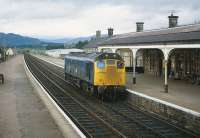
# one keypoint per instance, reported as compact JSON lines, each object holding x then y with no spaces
{"x":61,"y":119}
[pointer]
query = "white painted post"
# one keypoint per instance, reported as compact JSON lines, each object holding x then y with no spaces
{"x":166,"y":77}
{"x":113,"y":50}
{"x":134,"y":51}
{"x":99,"y":49}
{"x":166,"y":52}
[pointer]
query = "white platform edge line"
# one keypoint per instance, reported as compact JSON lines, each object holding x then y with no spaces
{"x":166,"y":103}
{"x":56,"y":105}
{"x":151,"y":98}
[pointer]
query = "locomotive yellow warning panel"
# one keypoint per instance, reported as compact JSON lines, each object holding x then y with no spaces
{"x":109,"y":72}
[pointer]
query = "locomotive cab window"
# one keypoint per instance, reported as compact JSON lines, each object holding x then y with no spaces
{"x":111,"y":62}
{"x":101,"y":64}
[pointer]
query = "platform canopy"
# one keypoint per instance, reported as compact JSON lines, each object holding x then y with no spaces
{"x":166,"y":40}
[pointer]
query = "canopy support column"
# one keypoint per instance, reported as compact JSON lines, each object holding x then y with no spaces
{"x":100,"y":49}
{"x":113,"y":50}
{"x":166,"y":77}
{"x":166,"y":52}
{"x":134,"y":51}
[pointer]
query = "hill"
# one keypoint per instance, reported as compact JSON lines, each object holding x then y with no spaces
{"x":15,"y":40}
{"x":67,"y":40}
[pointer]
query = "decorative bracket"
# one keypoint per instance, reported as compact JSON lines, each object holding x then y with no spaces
{"x":134,"y":51}
{"x":166,"y":52}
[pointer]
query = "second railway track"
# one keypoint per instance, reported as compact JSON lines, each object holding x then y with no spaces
{"x":97,"y":119}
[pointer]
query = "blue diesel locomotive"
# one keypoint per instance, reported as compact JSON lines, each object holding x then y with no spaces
{"x":102,"y":74}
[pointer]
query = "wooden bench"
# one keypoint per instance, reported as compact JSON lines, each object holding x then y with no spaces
{"x":2,"y":78}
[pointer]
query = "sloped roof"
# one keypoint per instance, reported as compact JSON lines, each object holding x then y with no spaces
{"x":178,"y":34}
{"x":96,"y":42}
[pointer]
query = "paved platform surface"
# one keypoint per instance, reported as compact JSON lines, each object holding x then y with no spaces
{"x":181,"y":93}
{"x":57,"y":61}
{"x":22,"y":113}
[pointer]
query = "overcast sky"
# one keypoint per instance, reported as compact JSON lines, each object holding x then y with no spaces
{"x":75,"y":18}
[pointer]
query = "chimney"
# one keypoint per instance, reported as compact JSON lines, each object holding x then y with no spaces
{"x":173,"y":21}
{"x":98,"y":34}
{"x":110,"y":32}
{"x":140,"y":26}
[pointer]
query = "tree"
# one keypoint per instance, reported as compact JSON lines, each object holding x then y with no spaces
{"x":81,"y":44}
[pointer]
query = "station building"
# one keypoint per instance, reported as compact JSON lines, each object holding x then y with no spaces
{"x":173,"y":52}
{"x":10,"y":52}
{"x":60,"y":53}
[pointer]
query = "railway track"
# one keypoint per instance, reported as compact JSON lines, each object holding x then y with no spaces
{"x":87,"y":121}
{"x":100,"y":119}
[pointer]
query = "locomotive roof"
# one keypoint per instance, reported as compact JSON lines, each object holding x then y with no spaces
{"x":92,"y":56}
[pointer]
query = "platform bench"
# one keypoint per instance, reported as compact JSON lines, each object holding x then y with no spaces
{"x":2,"y":78}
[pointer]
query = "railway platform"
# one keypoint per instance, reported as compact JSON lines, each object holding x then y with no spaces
{"x":57,"y":61}
{"x":181,"y":93}
{"x":22,"y":113}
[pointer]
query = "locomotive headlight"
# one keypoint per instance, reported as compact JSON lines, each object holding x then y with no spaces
{"x":120,"y":64}
{"x":101,"y":64}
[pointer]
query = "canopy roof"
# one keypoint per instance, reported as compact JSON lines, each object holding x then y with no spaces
{"x":189,"y":33}
{"x":181,"y":34}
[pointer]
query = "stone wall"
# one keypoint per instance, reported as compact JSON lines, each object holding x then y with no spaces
{"x":176,"y":116}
